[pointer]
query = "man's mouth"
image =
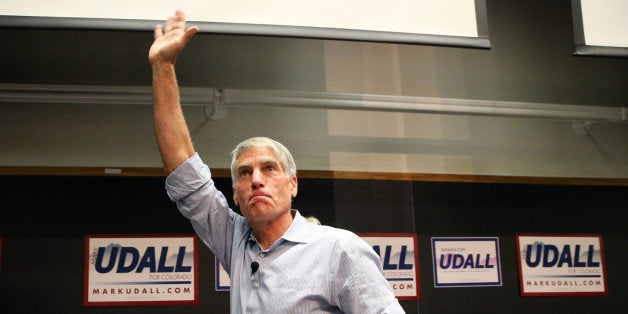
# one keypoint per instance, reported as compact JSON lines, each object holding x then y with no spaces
{"x":259,"y":196}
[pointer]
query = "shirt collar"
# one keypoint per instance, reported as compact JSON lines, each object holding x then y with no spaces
{"x":298,"y":232}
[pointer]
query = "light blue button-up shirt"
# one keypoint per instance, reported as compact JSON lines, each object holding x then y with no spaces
{"x":310,"y":269}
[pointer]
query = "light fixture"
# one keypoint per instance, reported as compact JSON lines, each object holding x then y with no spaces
{"x":216,"y":100}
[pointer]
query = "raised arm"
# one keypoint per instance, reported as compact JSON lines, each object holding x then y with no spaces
{"x":173,"y":137}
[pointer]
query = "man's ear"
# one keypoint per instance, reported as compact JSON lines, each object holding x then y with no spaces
{"x":294,"y":186}
{"x":235,"y":199}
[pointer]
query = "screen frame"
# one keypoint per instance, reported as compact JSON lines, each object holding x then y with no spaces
{"x":50,"y":22}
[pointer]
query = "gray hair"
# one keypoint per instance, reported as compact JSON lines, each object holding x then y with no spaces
{"x":312,"y":219}
{"x":287,"y":162}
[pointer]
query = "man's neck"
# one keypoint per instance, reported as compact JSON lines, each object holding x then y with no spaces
{"x":267,"y":232}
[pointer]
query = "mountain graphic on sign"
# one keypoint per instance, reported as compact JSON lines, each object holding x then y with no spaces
{"x":188,"y":258}
{"x":106,"y":254}
{"x":409,"y":260}
{"x":534,"y":247}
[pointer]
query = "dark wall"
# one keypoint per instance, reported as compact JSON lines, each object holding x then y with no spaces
{"x":44,"y":220}
{"x":502,"y":210}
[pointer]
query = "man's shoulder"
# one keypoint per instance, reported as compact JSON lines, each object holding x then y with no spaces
{"x":333,"y":236}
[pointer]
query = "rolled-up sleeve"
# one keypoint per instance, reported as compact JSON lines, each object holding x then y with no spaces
{"x":186,"y":180}
{"x":190,"y":186}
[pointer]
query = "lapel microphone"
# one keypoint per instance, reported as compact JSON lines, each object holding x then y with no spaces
{"x":254,"y":267}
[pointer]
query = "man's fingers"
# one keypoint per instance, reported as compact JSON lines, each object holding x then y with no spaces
{"x":170,"y":23}
{"x":159,"y":31}
{"x":189,"y":33}
{"x":176,"y":21}
{"x":179,"y":16}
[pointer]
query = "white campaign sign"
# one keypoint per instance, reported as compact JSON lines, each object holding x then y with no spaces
{"x":561,"y":265}
{"x":140,"y":270}
{"x":465,"y":262}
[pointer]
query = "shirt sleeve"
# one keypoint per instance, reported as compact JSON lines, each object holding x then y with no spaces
{"x":361,"y":286}
{"x":190,"y":186}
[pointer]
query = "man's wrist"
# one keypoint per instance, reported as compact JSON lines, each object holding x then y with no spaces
{"x":162,"y":65}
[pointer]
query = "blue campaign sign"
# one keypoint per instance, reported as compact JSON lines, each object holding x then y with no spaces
{"x":466,"y":262}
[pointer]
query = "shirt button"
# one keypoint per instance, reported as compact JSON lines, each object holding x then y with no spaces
{"x":256,"y":284}
{"x":262,"y":254}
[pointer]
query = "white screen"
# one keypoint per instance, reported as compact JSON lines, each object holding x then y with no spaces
{"x":601,"y":27}
{"x":453,"y":18}
{"x":605,"y":22}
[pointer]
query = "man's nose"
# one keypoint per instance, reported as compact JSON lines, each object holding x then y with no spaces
{"x":257,"y":179}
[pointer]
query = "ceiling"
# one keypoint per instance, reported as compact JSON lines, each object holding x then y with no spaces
{"x":530,"y":61}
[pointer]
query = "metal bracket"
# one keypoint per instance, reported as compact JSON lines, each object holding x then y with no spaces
{"x":217,"y":110}
{"x":582,"y":127}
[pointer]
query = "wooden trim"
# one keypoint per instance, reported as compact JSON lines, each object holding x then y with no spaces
{"x":393,"y":176}
{"x":435,"y":177}
{"x":320,"y":174}
{"x":83,"y":171}
{"x":95,"y":171}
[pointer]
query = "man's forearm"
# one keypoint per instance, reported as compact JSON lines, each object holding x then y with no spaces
{"x":173,"y":136}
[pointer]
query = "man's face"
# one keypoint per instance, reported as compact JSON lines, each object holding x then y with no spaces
{"x":262,"y":189}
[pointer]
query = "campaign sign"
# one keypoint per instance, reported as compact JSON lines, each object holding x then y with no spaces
{"x":466,"y":262}
{"x":400,"y":261}
{"x":132,"y":270}
{"x":561,"y":265}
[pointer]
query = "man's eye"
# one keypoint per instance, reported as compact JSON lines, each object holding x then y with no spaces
{"x":244,"y":173}
{"x":270,"y":168}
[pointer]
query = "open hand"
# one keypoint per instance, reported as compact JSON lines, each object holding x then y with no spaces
{"x":170,"y":41}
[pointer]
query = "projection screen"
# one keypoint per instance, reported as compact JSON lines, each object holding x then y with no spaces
{"x":600,"y":27}
{"x":460,"y":23}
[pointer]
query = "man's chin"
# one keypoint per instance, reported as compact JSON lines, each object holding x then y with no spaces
{"x":260,"y":202}
{"x":258,"y":209}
